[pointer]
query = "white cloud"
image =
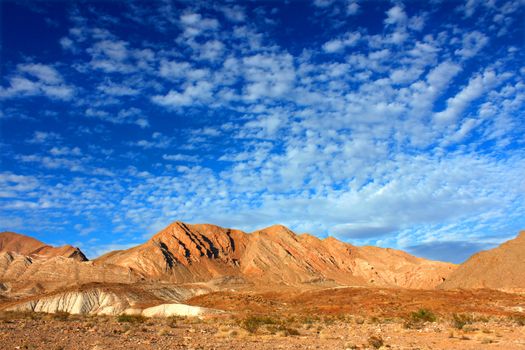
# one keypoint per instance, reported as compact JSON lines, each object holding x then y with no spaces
{"x":67,"y":44}
{"x":235,"y":13}
{"x":194,"y":24}
{"x":352,"y":8}
{"x":65,"y":151}
{"x":157,"y":140}
{"x":268,"y":76}
{"x":37,"y":79}
{"x":113,"y":89}
{"x":323,"y":3}
{"x":180,"y":157}
{"x":193,"y":93}
{"x":472,"y":42}
{"x":41,"y":137}
{"x":461,"y":101}
{"x":173,"y":69}
{"x":74,"y":165}
{"x":131,"y":115}
{"x":396,"y":15}
{"x":14,"y":185}
{"x":337,"y":45}
{"x":44,"y":73}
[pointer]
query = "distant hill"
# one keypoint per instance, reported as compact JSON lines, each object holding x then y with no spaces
{"x":11,"y":242}
{"x":500,"y":268}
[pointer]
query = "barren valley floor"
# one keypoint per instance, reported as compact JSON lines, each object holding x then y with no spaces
{"x":342,"y":318}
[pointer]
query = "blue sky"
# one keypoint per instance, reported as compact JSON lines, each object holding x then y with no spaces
{"x":386,"y":123}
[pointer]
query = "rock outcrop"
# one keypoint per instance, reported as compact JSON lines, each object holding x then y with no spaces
{"x":273,"y":256}
{"x":501,"y":268}
{"x":11,"y":242}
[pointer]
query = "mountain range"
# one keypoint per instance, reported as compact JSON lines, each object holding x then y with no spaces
{"x":184,"y":259}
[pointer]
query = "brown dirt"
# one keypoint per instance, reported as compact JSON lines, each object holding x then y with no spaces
{"x":384,"y":302}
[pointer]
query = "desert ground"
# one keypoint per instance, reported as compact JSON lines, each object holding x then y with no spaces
{"x":341,"y":318}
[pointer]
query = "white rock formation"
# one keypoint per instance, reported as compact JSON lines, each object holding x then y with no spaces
{"x":93,"y":301}
{"x":167,"y":310}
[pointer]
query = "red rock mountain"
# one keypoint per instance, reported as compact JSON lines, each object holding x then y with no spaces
{"x":274,"y":255}
{"x":500,"y":268}
{"x":11,"y":242}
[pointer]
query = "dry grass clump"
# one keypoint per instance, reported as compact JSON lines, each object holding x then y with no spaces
{"x":459,"y":321}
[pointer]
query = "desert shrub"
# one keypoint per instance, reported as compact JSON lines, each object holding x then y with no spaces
{"x":375,"y":341}
{"x":461,"y":320}
{"x":423,"y":315}
{"x":253,"y":323}
{"x":131,"y":318}
{"x":417,"y":319}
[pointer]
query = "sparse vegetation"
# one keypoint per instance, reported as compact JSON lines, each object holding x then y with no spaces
{"x":60,"y":316}
{"x":9,"y":316}
{"x":253,"y":323}
{"x":123,"y":318}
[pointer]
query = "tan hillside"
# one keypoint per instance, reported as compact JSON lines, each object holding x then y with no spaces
{"x":28,"y":266}
{"x":28,"y":246}
{"x":500,"y":268}
{"x":274,"y":255}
